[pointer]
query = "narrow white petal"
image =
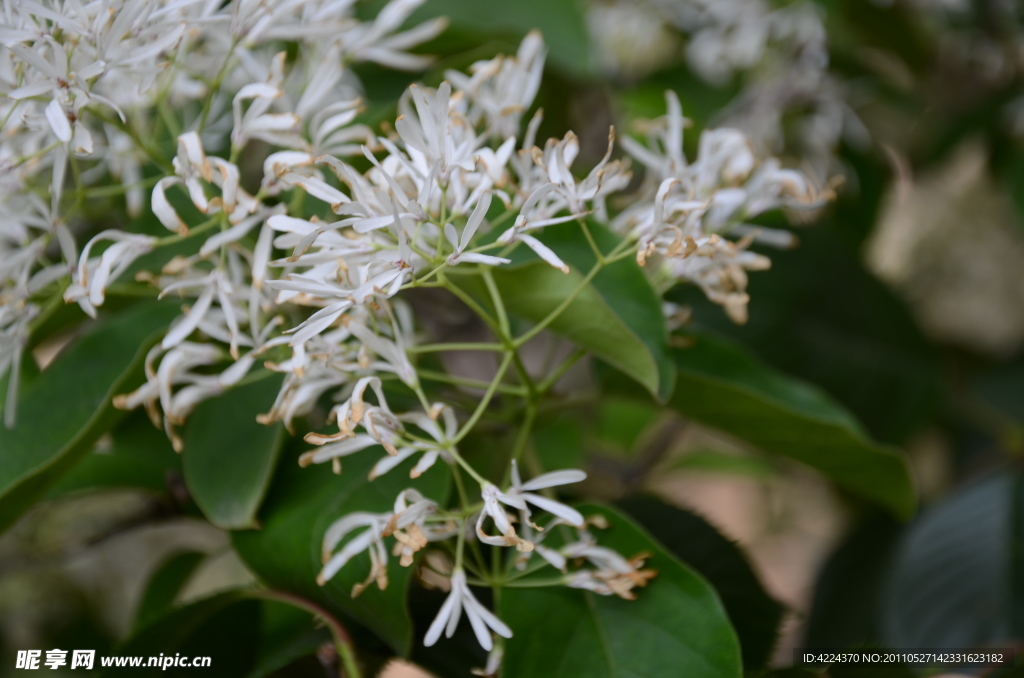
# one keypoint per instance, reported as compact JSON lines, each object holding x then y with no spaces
{"x":544,"y":252}
{"x":339,"y":560}
{"x":58,"y":121}
{"x":475,"y":220}
{"x":569,"y":514}
{"x":186,"y":326}
{"x":483,"y":636}
{"x":441,"y":620}
{"x":162,"y":207}
{"x":475,"y":258}
{"x":389,"y":462}
{"x":554,"y":478}
{"x":318,"y":322}
{"x":489,"y":617}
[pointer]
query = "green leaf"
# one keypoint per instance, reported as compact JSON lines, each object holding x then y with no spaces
{"x":675,"y":627}
{"x":621,"y":422}
{"x":617,"y":317}
{"x":301,"y":504}
{"x":1000,"y":387}
{"x":229,"y":457}
{"x":140,"y":457}
{"x":717,"y":461}
{"x":848,"y":592}
{"x":222,"y":627}
{"x":819,"y":316}
{"x":752,"y":612}
{"x":950,"y":581}
{"x":722,"y":386}
{"x":165,"y":585}
{"x":288,"y":634}
{"x":68,"y":406}
{"x":561,"y":21}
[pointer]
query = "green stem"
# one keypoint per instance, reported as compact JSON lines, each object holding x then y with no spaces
{"x":205,"y":226}
{"x":441,"y":377}
{"x":557,"y":374}
{"x":471,"y":302}
{"x":342,"y":640}
{"x":153,"y":154}
{"x":499,"y":305}
{"x":590,"y":240}
{"x":468,"y":426}
{"x":454,"y":346}
{"x":215,"y":86}
{"x":523,"y":584}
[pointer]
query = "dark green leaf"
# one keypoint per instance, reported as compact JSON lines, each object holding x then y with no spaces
{"x":819,"y":316}
{"x":753,"y":613}
{"x":848,"y":593}
{"x":561,"y":21}
{"x":229,"y":457}
{"x":63,"y":411}
{"x":164,"y":586}
{"x":950,"y":582}
{"x":675,"y":627}
{"x":559,"y":442}
{"x":300,"y":506}
{"x":1000,"y":388}
{"x":722,"y":386}
{"x":620,"y":422}
{"x":222,"y":627}
{"x":288,"y":634}
{"x":140,"y":457}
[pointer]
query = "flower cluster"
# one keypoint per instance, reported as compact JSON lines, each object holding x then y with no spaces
{"x":301,"y":236}
{"x":789,"y":100}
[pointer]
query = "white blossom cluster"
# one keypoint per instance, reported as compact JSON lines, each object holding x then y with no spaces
{"x":300,"y":269}
{"x":788,"y":101}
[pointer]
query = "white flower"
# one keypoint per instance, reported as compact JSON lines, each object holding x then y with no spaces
{"x":613,"y":574}
{"x":501,"y":89}
{"x":409,"y":527}
{"x":368,"y":540}
{"x":280,"y":129}
{"x":436,"y":134}
{"x":459,"y":244}
{"x":518,"y":496}
{"x":553,"y":479}
{"x":480,"y":618}
{"x":378,"y":42}
{"x":91,"y":277}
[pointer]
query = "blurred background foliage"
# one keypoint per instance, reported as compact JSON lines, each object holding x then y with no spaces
{"x":903,"y":302}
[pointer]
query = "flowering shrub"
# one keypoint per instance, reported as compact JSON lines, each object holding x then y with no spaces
{"x":356,"y":324}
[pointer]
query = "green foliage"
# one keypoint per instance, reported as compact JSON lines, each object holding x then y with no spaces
{"x":951,"y":580}
{"x":562,"y":23}
{"x":754,"y":615}
{"x":221,"y":627}
{"x":720,"y":385}
{"x":46,"y":442}
{"x":139,"y":457}
{"x":164,"y":586}
{"x":821,"y":317}
{"x":848,"y":592}
{"x":830,"y":362}
{"x":676,"y":626}
{"x":229,"y":457}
